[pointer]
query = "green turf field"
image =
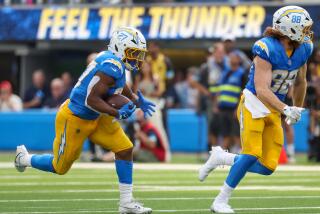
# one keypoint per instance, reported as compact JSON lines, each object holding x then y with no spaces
{"x":93,"y":190}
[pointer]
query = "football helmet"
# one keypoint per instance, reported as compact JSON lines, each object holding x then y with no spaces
{"x":294,"y":22}
{"x":130,"y":46}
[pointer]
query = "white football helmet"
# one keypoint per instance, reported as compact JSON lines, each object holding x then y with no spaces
{"x":130,"y":46}
{"x":294,"y":22}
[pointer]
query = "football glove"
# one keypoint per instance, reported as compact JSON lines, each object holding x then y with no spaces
{"x":292,"y":113}
{"x":145,"y":105}
{"x":126,"y":111}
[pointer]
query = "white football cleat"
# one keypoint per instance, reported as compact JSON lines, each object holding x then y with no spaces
{"x":213,"y":162}
{"x":133,"y":207}
{"x":21,"y":159}
{"x":221,"y":207}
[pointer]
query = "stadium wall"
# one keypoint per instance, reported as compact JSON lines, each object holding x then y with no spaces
{"x":187,"y":130}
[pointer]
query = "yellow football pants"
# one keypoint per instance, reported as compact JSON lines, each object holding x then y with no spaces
{"x":72,"y":131}
{"x":262,"y":137}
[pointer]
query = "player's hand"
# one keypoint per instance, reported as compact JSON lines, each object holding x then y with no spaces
{"x":145,"y":105}
{"x":293,"y":114}
{"x":126,"y":111}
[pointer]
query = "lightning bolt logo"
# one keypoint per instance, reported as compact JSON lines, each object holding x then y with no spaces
{"x":63,"y":142}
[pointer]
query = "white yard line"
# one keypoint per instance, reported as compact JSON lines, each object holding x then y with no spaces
{"x":144,"y":188}
{"x":175,"y":167}
{"x":192,"y":182}
{"x":159,"y":199}
{"x":170,"y":211}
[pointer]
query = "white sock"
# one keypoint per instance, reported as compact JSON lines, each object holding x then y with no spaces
{"x":290,"y":150}
{"x":228,"y":159}
{"x":125,"y":192}
{"x":225,"y":193}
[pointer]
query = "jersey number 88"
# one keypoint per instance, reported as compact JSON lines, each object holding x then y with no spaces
{"x":282,"y":80}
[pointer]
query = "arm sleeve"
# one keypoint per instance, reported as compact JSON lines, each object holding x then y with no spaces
{"x":111,"y":68}
{"x":261,"y":49}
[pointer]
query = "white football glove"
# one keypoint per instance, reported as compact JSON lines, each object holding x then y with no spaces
{"x":293,"y":114}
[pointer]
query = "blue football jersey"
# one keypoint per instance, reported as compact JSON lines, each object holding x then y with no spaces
{"x":106,"y":63}
{"x":284,"y":68}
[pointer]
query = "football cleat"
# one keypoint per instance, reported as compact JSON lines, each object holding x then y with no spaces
{"x":133,"y":207}
{"x":221,"y":207}
{"x":213,"y":162}
{"x":20,"y":161}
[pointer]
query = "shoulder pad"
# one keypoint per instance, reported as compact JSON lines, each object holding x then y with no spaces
{"x":308,"y":47}
{"x":261,"y":49}
{"x":112,"y":67}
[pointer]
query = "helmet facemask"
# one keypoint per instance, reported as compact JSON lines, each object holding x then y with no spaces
{"x":307,"y":32}
{"x":134,"y":58}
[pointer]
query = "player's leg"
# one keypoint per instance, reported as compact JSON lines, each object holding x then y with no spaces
{"x":70,"y":131}
{"x":251,"y":138}
{"x":272,"y":146}
{"x":41,"y":161}
{"x":218,"y":156}
{"x":110,"y":135}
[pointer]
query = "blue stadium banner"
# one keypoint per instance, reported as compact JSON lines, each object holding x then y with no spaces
{"x":155,"y":22}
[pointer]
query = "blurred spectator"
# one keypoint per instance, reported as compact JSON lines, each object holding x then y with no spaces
{"x":210,"y":73}
{"x":8,"y":100}
{"x":314,"y":150}
{"x":224,"y":123}
{"x":150,"y":147}
{"x":68,"y":82}
{"x":38,"y":92}
{"x":149,"y":86}
{"x":161,"y":65}
{"x":146,"y":82}
{"x":314,"y":68}
{"x":171,"y":100}
{"x":57,"y":94}
{"x":229,"y":41}
{"x":217,"y":62}
{"x":187,"y":92}
{"x":170,"y":95}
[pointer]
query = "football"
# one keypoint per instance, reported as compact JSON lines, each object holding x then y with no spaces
{"x":117,"y":100}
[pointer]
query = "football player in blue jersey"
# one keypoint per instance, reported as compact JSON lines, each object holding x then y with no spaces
{"x":87,"y":115}
{"x":280,"y":61}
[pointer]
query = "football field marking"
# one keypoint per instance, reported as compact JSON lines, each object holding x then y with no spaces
{"x":171,"y":211}
{"x":149,"y":182}
{"x":148,"y":188}
{"x":169,"y":166}
{"x":159,"y":199}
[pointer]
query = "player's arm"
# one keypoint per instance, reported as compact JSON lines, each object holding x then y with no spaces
{"x":300,"y":87}
{"x":99,"y":84}
{"x":262,"y":82}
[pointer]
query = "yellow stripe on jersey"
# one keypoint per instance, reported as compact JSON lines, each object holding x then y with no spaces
{"x":263,"y":46}
{"x":114,"y":62}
